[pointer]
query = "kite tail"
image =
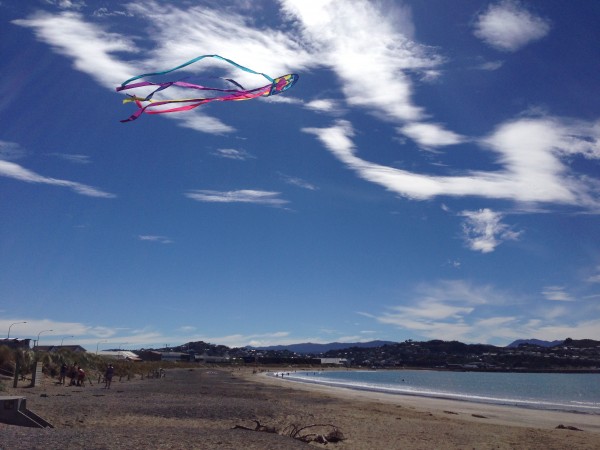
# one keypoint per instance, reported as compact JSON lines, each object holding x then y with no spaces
{"x":192,"y":61}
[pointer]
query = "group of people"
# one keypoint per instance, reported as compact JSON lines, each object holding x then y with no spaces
{"x":77,"y":377}
{"x":75,"y":373}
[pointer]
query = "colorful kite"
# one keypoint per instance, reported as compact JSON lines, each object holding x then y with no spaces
{"x":149,"y":106}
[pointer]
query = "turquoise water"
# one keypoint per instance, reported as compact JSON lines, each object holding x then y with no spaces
{"x":558,"y":391}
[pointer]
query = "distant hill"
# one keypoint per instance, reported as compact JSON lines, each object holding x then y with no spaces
{"x":537,"y":342}
{"x":310,"y":348}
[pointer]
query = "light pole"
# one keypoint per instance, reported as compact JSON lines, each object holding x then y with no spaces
{"x":8,"y":336}
{"x":37,"y":343}
{"x":63,"y":339}
{"x":99,"y":342}
{"x":119,"y":349}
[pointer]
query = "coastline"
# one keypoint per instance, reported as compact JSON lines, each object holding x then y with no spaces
{"x":212,"y":407}
{"x":509,"y":415}
{"x":479,"y":398}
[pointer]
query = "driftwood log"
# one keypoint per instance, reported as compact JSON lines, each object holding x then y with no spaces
{"x":306,"y":433}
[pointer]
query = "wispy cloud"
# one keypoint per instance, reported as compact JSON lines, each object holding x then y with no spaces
{"x":528,"y":149}
{"x":325,"y":105}
{"x":490,"y":65}
{"x":456,"y":309}
{"x":17,"y":172}
{"x":483,"y":230}
{"x":67,"y":4}
{"x":241,"y":196}
{"x":319,"y":35}
{"x":90,"y":47}
{"x":11,"y":151}
{"x":508,"y":26}
{"x":595,"y":276}
{"x":557,"y":294}
{"x":364,"y":62}
{"x":74,"y":158}
{"x":430,"y":134}
{"x":298,"y":182}
{"x":232,"y":153}
{"x":155,"y":238}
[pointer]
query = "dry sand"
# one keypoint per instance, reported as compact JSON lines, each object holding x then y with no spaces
{"x":200,"y":408}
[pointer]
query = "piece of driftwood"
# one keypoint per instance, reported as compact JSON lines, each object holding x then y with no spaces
{"x":302,"y":433}
{"x":258,"y":427}
{"x":567,"y":427}
{"x":333,"y":435}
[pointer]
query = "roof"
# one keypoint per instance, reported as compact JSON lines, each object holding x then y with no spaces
{"x":119,"y":354}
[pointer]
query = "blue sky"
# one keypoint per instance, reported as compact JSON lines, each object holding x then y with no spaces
{"x":434,"y":174}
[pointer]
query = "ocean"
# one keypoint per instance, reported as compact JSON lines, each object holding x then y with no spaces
{"x":553,"y":391}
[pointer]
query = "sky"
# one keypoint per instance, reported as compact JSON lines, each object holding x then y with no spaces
{"x":433,"y":174}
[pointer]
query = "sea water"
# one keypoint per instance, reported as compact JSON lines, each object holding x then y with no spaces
{"x":556,"y":391}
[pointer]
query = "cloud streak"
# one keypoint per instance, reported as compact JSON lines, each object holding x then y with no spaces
{"x":241,"y":196}
{"x":459,"y":310}
{"x":17,"y":172}
{"x":528,"y":150}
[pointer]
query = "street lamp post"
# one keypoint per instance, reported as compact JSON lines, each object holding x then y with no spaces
{"x":8,"y":336}
{"x":63,"y":340}
{"x":37,"y":342}
{"x":119,"y":349}
{"x":99,"y":342}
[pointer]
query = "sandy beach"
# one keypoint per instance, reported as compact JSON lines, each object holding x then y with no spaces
{"x":207,"y":408}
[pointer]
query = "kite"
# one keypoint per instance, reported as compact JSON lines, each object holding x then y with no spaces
{"x":148,"y":105}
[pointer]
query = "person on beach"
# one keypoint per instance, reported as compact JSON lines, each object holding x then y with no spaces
{"x":63,"y":374}
{"x":108,"y":375}
{"x":80,"y":377}
{"x":72,"y":375}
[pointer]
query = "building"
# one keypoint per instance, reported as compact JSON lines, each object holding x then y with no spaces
{"x":16,"y":343}
{"x":57,"y":348}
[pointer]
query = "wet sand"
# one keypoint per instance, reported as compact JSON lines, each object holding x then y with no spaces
{"x":203,"y":408}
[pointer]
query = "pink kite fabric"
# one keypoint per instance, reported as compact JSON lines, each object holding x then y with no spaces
{"x":149,"y":106}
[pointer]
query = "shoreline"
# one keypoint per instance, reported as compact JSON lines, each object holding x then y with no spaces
{"x":500,"y":414}
{"x":213,"y":407}
{"x":441,"y":396}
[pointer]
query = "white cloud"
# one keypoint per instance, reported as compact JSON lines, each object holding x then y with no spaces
{"x":89,"y":46}
{"x":74,"y":158}
{"x":198,"y":121}
{"x":17,"y":172}
{"x":557,"y":294}
{"x":367,"y":48}
{"x":334,"y":34}
{"x":105,"y":12}
{"x":240,"y":196}
{"x":324,"y":105}
{"x":508,"y":26}
{"x":430,"y":134}
{"x":176,"y":33}
{"x":490,"y":65}
{"x":595,"y":277}
{"x":455,"y":309}
{"x":67,"y":4}
{"x":483,"y":230}
{"x":232,"y":153}
{"x":528,"y":150}
{"x":11,"y":151}
{"x":154,"y":238}
{"x":298,"y":182}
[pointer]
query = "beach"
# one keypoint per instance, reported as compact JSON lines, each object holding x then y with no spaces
{"x":212,"y":407}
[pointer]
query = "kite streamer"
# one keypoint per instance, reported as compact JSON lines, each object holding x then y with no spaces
{"x":147,"y":104}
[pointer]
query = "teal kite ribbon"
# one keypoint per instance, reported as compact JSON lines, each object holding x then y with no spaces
{"x":192,"y":61}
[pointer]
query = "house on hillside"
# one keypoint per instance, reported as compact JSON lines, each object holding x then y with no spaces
{"x":119,"y":354}
{"x":16,"y":343}
{"x":334,"y":361}
{"x":57,"y":348}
